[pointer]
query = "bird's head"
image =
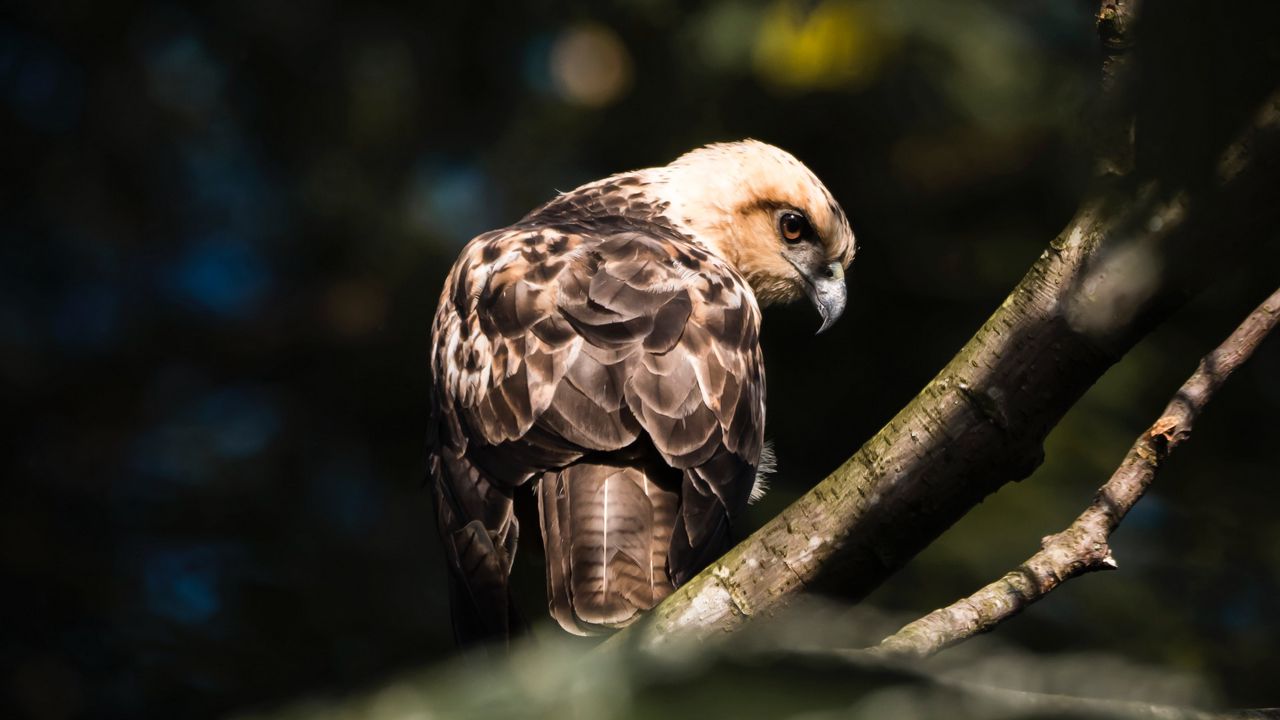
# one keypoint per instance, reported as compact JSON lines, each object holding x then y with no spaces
{"x":767,"y":215}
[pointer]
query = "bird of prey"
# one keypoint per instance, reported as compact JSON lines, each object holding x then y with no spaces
{"x":605,"y":351}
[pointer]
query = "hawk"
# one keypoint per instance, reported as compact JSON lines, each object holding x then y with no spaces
{"x":605,"y":351}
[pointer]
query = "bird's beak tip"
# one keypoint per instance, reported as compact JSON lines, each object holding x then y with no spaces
{"x":830,"y":300}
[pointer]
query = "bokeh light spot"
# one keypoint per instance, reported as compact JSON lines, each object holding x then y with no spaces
{"x":182,"y":76}
{"x":453,"y":200}
{"x":222,"y":275}
{"x":240,"y":421}
{"x":182,"y":583}
{"x":344,"y":490}
{"x":835,"y":44}
{"x":537,"y":63}
{"x":590,"y":66}
{"x":37,"y":81}
{"x":356,"y":307}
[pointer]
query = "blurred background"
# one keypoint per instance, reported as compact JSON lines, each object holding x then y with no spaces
{"x":225,"y":229}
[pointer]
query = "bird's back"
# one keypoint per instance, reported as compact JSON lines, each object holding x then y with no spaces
{"x":617,"y":364}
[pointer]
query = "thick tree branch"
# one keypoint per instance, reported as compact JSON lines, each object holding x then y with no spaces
{"x":1137,"y":249}
{"x":1083,"y":546}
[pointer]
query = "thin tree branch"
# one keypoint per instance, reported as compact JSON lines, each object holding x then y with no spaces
{"x":1113,"y":127}
{"x":1083,"y":547}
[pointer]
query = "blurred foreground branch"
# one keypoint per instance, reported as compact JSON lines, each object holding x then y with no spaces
{"x":1083,"y":546}
{"x":1074,"y":706}
{"x":999,"y":701}
{"x":1145,"y":241}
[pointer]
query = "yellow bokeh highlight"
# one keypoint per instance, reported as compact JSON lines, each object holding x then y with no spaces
{"x":831,"y":45}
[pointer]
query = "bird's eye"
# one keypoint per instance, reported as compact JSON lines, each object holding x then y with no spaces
{"x":794,"y":227}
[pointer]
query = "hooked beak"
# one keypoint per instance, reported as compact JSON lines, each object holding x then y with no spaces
{"x":827,"y":292}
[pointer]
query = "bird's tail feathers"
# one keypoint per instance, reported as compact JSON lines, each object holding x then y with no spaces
{"x":607,"y":530}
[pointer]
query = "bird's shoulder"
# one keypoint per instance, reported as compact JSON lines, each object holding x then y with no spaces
{"x":589,"y":270}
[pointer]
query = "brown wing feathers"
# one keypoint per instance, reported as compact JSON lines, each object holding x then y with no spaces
{"x":620,"y":368}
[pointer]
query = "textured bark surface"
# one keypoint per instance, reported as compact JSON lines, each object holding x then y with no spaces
{"x":1133,"y":254}
{"x":1083,"y":547}
{"x":974,"y":427}
{"x":1113,"y":128}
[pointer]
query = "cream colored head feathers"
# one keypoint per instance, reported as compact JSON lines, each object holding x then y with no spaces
{"x":732,"y":197}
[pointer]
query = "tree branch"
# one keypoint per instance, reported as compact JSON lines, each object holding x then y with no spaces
{"x":1113,"y":128}
{"x":1137,"y":249}
{"x":1083,"y":546}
